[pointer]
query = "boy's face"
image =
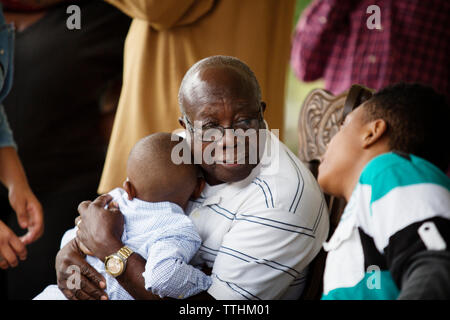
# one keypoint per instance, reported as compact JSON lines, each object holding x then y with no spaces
{"x":342,"y":152}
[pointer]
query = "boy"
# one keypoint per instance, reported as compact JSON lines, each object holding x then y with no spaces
{"x":152,"y":202}
{"x":392,"y":241}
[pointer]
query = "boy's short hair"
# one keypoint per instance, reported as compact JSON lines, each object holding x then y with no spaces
{"x":417,"y":118}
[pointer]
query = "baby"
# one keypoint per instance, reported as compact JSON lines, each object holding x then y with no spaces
{"x":152,"y":202}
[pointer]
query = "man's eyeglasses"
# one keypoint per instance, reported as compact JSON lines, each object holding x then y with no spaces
{"x":211,"y":133}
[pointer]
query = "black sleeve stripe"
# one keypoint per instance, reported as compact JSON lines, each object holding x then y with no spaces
{"x":371,"y":254}
{"x":406,"y":242}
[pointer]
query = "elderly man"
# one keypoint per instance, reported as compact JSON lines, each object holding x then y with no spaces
{"x":167,"y":37}
{"x":261,"y":222}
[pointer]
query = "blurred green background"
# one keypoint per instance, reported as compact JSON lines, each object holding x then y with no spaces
{"x":296,"y":92}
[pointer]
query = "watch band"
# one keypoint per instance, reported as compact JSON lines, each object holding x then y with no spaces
{"x":125,"y":252}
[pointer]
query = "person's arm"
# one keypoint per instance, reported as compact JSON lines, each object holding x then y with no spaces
{"x":12,"y":175}
{"x":22,"y":199}
{"x":164,"y":14}
{"x":91,"y":283}
{"x":322,"y":24}
{"x":420,"y":272}
{"x":427,"y":276}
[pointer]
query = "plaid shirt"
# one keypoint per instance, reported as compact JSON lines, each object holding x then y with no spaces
{"x":332,"y":41}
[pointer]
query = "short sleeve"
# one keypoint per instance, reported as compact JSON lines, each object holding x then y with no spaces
{"x":264,"y":254}
{"x":6,"y":135}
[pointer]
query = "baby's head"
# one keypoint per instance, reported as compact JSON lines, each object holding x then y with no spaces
{"x":410,"y":118}
{"x":154,"y":177}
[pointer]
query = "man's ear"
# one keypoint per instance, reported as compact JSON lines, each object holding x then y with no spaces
{"x":198,"y":188}
{"x":374,"y":131}
{"x":263,"y":106}
{"x":129,"y":188}
{"x":181,"y":122}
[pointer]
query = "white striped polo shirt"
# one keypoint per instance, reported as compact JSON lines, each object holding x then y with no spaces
{"x":259,"y":234}
{"x":395,"y":196}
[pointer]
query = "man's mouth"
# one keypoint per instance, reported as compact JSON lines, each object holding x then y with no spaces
{"x":232,"y":162}
{"x":230,"y":165}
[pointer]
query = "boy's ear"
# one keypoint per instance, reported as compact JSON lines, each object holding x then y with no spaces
{"x":198,"y":188}
{"x":374,"y":131}
{"x":129,"y":188}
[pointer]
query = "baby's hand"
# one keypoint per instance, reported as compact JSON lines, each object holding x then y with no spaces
{"x":113,"y":206}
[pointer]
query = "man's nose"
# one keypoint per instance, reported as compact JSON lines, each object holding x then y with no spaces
{"x":229,"y":139}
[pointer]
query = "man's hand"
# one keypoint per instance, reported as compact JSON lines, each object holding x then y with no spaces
{"x":29,"y":212}
{"x":91,"y":284}
{"x":11,"y":248}
{"x":80,"y":244}
{"x":100,"y":230}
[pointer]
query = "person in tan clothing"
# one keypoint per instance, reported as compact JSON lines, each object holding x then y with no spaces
{"x":167,"y":37}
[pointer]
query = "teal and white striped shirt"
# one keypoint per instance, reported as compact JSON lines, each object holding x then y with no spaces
{"x":400,"y":206}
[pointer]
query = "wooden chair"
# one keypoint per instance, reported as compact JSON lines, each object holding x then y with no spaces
{"x":319,"y":120}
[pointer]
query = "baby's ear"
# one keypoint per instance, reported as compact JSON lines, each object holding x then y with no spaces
{"x":129,"y":188}
{"x":198,"y":188}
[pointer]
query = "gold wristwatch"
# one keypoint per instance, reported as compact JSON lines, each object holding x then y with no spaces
{"x":115,"y":264}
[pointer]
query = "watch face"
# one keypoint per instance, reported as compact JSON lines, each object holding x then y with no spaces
{"x":114,"y":265}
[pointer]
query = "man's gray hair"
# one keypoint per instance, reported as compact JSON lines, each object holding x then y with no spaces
{"x":219,"y":61}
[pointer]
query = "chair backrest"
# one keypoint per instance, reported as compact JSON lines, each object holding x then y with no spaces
{"x":320,"y":117}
